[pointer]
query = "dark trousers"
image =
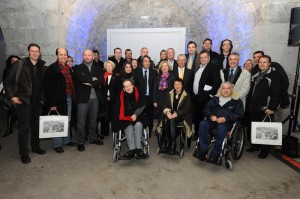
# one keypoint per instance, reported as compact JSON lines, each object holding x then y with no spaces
{"x":149,"y":112}
{"x":170,"y":131}
{"x":258,"y":117}
{"x":28,"y":116}
{"x":204,"y":129}
{"x":198,"y":115}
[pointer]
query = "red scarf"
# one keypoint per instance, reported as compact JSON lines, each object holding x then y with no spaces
{"x":106,"y":74}
{"x":122,"y":116}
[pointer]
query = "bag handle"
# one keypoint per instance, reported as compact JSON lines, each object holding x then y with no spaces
{"x":267,"y":116}
{"x":55,"y":111}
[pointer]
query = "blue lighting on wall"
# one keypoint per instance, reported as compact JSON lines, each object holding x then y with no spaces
{"x":78,"y":29}
{"x":236,"y":25}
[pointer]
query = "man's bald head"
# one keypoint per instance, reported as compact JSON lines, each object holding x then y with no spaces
{"x":88,"y":56}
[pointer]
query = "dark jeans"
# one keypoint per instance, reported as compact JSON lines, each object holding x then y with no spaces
{"x":89,"y":109}
{"x":204,"y":129}
{"x":28,"y":116}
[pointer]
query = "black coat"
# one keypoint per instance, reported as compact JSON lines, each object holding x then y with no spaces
{"x":24,"y":88}
{"x":196,"y":61}
{"x":209,"y":77}
{"x":220,"y":61}
{"x":119,"y":64}
{"x":214,"y":57}
{"x":187,"y":78}
{"x":55,"y":89}
{"x":265,"y":94}
{"x":284,"y":82}
{"x":152,"y":74}
{"x":83,"y":75}
{"x":130,"y":107}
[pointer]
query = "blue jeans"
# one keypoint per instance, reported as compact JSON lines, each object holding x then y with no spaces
{"x":83,"y":109}
{"x":58,"y":142}
{"x":204,"y":128}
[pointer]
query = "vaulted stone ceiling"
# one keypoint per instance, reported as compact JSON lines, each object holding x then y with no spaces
{"x":80,"y":24}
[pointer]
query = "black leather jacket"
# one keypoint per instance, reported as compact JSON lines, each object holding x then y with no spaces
{"x":24,"y":87}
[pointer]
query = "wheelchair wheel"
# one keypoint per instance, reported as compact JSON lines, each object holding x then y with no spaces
{"x":158,"y":150}
{"x":115,"y":139}
{"x":181,"y":152}
{"x":238,"y":143}
{"x":115,"y":155}
{"x":228,"y":164}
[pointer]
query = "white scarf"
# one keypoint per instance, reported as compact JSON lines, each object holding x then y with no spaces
{"x":224,"y":100}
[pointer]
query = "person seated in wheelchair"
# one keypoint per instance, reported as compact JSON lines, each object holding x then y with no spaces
{"x":221,"y":112}
{"x":128,"y":109}
{"x":177,"y":109}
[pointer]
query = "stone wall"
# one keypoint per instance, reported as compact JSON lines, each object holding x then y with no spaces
{"x":79,"y":24}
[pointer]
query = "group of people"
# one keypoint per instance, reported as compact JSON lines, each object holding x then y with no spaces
{"x":207,"y":89}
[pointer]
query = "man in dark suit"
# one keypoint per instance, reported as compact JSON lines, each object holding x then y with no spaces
{"x":118,"y":60}
{"x":144,"y":52}
{"x":88,"y":79}
{"x":206,"y":83}
{"x":225,"y":50}
{"x":183,"y":73}
{"x":96,"y":58}
{"x":146,"y":76}
{"x":171,"y":56}
{"x":192,"y":56}
{"x":59,"y":91}
{"x":214,"y":56}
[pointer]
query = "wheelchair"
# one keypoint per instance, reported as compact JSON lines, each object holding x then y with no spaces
{"x":232,"y":146}
{"x":119,"y":137}
{"x":181,"y":142}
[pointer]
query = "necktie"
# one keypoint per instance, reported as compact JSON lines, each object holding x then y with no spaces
{"x":145,"y":80}
{"x":181,"y":73}
{"x":190,"y":63}
{"x":225,"y":62}
{"x":231,"y":76}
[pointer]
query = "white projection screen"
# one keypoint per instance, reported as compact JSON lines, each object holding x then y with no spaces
{"x":155,"y":39}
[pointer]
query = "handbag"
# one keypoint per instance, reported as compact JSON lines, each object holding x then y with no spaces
{"x":291,"y":146}
{"x":266,"y":133}
{"x":51,"y":126}
{"x":7,"y":104}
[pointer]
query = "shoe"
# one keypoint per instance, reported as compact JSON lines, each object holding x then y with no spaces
{"x":129,"y":154}
{"x":252,"y":149}
{"x":194,"y":138}
{"x":196,"y":153}
{"x":140,"y":154}
{"x":59,"y":149}
{"x":71,"y":144}
{"x":7,"y":133}
{"x":39,"y":151}
{"x":101,"y":137}
{"x":212,"y":160}
{"x":97,"y":142}
{"x":263,"y":154}
{"x":80,"y":147}
{"x":25,"y":159}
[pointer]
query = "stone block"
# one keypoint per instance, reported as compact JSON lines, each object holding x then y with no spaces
{"x":16,"y":36}
{"x":44,"y":35}
{"x":51,"y":19}
{"x":27,"y":20}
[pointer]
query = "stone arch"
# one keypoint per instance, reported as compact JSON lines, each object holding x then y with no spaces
{"x":202,"y":19}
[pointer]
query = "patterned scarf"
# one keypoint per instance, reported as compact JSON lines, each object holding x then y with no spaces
{"x":65,"y":70}
{"x":163,"y":84}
